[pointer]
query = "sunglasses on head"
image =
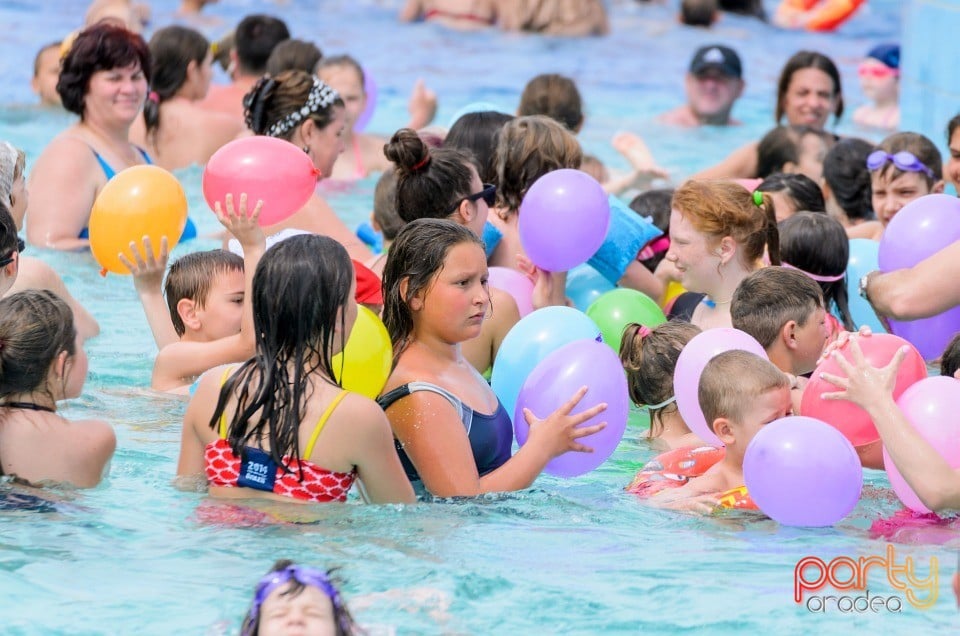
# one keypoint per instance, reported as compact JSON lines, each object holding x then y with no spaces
{"x":488,"y":194}
{"x":903,"y":160}
{"x":873,"y":70}
{"x":9,"y":259}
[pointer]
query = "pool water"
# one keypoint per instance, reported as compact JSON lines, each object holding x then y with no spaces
{"x":572,"y":556}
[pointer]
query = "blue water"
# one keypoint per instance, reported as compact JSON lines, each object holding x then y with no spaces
{"x":567,"y":556}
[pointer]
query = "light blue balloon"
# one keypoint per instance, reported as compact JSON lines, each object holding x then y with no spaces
{"x":863,"y":259}
{"x":585,"y":285}
{"x":534,"y":337}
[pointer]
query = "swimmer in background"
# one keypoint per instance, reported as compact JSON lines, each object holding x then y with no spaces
{"x":461,"y":15}
{"x":880,"y":82}
{"x":903,"y":168}
{"x":254,"y":39}
{"x":364,"y":152}
{"x":130,"y":15}
{"x":739,"y":394}
{"x":209,"y":320}
{"x":566,"y":18}
{"x":46,"y":72}
{"x":649,"y":357}
{"x":293,"y":598}
{"x":41,"y":363}
{"x":793,"y":150}
{"x":699,"y":13}
{"x":713,"y":84}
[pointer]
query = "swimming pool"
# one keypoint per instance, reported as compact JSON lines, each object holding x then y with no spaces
{"x":567,"y":556}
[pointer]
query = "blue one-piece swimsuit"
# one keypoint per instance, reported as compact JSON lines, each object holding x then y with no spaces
{"x":491,"y":436}
{"x":189,"y":230}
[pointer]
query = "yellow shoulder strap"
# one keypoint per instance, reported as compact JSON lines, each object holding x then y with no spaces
{"x":223,"y":416}
{"x":321,"y":423}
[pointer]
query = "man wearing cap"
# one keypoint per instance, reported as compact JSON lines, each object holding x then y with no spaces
{"x":713,"y":83}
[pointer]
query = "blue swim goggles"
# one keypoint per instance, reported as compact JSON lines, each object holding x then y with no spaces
{"x":903,"y":160}
{"x":303,"y":575}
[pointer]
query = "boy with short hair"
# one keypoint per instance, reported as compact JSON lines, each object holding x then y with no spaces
{"x":904,"y":167}
{"x":739,"y":393}
{"x":46,"y":72}
{"x":210,"y":322}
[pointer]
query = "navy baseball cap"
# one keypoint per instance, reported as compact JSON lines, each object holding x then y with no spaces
{"x":716,"y":56}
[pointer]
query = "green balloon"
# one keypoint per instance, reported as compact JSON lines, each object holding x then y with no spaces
{"x":617,"y":308}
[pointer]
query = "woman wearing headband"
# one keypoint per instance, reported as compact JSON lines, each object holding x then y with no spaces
{"x":300,"y":108}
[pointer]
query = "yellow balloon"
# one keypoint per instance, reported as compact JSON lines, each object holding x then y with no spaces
{"x":137,"y":202}
{"x":674,"y":289}
{"x":367,"y":358}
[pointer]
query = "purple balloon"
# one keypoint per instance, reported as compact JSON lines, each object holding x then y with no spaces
{"x":921,"y":229}
{"x":802,"y":472}
{"x":931,"y":405}
{"x":686,"y":375}
{"x":563,"y":219}
{"x":515,"y":284}
{"x":553,"y":382}
{"x":370,"y":89}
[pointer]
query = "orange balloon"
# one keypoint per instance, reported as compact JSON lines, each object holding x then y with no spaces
{"x":137,"y":202}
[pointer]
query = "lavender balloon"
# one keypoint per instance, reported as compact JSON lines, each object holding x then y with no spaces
{"x":931,"y":405}
{"x":686,"y":375}
{"x":802,"y":472}
{"x":921,"y":229}
{"x":370,"y":89}
{"x":564,"y":218}
{"x":556,"y":379}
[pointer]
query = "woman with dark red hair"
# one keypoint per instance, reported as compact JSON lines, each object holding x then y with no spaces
{"x":103,"y":79}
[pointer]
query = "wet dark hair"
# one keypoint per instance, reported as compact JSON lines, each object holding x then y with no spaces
{"x":192,"y":276}
{"x":289,"y":55}
{"x":802,"y":60}
{"x":806,"y":194}
{"x":341,"y":615}
{"x":254,"y":41}
{"x":431,"y":182}
{"x":101,"y":47}
{"x":416,"y":256}
{"x":478,"y":133}
{"x":950,"y":360}
{"x":555,"y":96}
{"x":818,"y":244}
{"x":36,"y":325}
{"x":171,"y":50}
{"x":650,"y":361}
{"x":782,"y":145}
{"x":845,"y":172}
{"x":300,"y":289}
{"x":273,"y":98}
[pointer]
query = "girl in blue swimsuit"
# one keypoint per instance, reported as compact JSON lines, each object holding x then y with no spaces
{"x":451,"y":431}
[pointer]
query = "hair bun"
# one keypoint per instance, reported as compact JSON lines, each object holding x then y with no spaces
{"x":408,"y":152}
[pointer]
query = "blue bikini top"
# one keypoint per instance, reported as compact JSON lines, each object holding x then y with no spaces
{"x":491,"y":436}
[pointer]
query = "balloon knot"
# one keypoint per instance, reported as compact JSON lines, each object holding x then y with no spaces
{"x":103,"y":272}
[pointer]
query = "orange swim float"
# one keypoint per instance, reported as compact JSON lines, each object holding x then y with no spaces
{"x":827,"y":17}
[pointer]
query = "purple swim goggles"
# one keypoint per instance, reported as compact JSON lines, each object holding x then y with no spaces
{"x":903,"y":160}
{"x":305,"y":576}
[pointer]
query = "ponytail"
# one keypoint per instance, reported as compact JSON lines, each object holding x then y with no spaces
{"x":771,"y":233}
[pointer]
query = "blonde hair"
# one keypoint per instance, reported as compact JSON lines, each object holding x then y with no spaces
{"x":732,"y":381}
{"x":724,"y":208}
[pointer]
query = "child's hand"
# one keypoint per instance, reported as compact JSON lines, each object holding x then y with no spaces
{"x":633,"y":148}
{"x":549,"y":288}
{"x":865,"y":385}
{"x":422,"y":106}
{"x":147,"y":269}
{"x":244,"y":227}
{"x":841,"y":341}
{"x":558,"y":433}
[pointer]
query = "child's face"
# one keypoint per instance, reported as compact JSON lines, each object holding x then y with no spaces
{"x":222,"y":312}
{"x":309,"y":613}
{"x":891,"y":193}
{"x":878,"y":81}
{"x":344,"y":80}
{"x":690,"y":253}
{"x":44,"y":83}
{"x":951,"y":171}
{"x":810,"y":338}
{"x":768,"y":407}
{"x":456,"y":302}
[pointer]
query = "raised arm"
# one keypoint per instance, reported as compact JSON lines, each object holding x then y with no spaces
{"x":739,"y":164}
{"x":148,"y":273}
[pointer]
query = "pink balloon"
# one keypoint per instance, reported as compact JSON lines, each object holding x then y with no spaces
{"x":694,"y":357}
{"x":564,"y":218}
{"x":931,"y":405}
{"x":265,"y":168}
{"x":515,"y":284}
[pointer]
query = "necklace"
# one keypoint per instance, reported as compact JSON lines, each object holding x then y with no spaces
{"x":29,"y":406}
{"x":713,"y":303}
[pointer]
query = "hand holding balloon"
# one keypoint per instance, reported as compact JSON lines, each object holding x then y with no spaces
{"x":864,"y":384}
{"x":558,"y":432}
{"x":146,"y":268}
{"x":244,"y":227}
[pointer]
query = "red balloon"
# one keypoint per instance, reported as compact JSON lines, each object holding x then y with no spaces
{"x":265,"y":168}
{"x":845,"y":416}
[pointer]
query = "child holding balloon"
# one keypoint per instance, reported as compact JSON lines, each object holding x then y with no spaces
{"x":280,"y":426}
{"x":451,"y":431}
{"x":739,"y":393}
